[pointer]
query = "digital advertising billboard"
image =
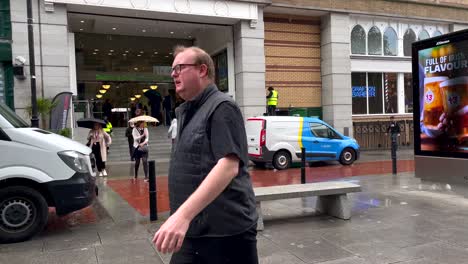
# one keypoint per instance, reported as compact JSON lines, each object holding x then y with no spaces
{"x":440,"y":85}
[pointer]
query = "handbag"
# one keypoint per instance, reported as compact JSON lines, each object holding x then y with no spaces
{"x":143,"y":149}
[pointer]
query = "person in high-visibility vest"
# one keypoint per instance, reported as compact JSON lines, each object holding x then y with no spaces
{"x":108,"y":128}
{"x":272,"y":101}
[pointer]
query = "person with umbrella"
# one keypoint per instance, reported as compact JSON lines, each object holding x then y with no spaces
{"x":140,"y":142}
{"x":98,"y":141}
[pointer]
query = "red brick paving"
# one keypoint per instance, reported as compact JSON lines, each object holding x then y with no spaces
{"x":136,"y":193}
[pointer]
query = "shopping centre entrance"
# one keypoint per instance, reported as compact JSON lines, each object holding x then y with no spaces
{"x":124,"y":63}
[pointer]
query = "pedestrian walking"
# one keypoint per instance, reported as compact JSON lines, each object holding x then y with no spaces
{"x":213,"y":215}
{"x":172,"y":132}
{"x":129,"y":135}
{"x":99,"y":141}
{"x":140,"y":143}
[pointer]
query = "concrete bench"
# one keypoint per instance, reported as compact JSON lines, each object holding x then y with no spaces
{"x":332,"y":198}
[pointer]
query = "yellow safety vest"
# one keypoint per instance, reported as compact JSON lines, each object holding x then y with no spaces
{"x":273,"y":100}
{"x":108,"y":128}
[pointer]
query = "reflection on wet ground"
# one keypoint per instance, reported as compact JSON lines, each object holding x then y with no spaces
{"x":136,"y":193}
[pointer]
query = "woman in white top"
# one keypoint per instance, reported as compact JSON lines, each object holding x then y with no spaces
{"x":140,"y":142}
{"x":98,"y":141}
{"x":172,"y":132}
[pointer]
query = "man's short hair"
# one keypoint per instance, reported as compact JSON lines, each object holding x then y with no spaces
{"x":270,"y":88}
{"x":201,"y":57}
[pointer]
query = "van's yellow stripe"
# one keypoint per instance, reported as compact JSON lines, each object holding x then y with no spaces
{"x":299,"y":137}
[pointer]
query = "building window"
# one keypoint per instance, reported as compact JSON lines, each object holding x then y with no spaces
{"x":374,"y":87}
{"x":423,"y":35}
{"x":221,"y":71}
{"x":437,"y":33}
{"x":359,"y":93}
{"x":358,"y":40}
{"x":375,"y":93}
{"x":408,"y":38}
{"x":390,"y":93}
{"x":374,"y":41}
{"x":408,"y":93}
{"x":390,"y":42}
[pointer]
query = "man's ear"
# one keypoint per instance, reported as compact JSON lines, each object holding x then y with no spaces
{"x":203,"y":70}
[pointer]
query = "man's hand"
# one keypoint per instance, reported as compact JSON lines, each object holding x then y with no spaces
{"x":170,"y":236}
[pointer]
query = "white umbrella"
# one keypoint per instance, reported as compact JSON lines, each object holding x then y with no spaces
{"x":143,"y":118}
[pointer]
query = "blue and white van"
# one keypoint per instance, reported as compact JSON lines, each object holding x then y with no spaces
{"x":279,"y":139}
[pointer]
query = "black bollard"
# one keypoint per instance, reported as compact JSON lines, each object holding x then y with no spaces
{"x":394,"y":151}
{"x":153,"y":203}
{"x":303,"y":162}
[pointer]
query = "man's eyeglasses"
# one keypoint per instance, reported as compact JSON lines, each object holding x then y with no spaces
{"x":176,"y":69}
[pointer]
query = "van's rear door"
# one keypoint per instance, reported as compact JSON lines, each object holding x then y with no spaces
{"x":253,"y":129}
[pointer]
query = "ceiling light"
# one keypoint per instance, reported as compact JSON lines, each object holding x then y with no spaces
{"x":172,"y":32}
{"x":126,"y":51}
{"x":103,"y":91}
{"x":145,"y":90}
{"x":136,"y":69}
{"x":124,"y":54}
{"x":142,"y":52}
{"x":139,"y":55}
{"x":132,"y":98}
{"x":137,"y":95}
{"x":94,"y":53}
{"x":82,"y":21}
{"x":81,"y":29}
{"x":170,"y":53}
{"x":114,"y":28}
{"x":155,"y":52}
{"x":106,"y":86}
{"x":96,"y":50}
{"x":111,"y":50}
{"x":110,"y":54}
{"x":98,"y":95}
{"x":143,"y":30}
{"x":166,"y":56}
{"x":153,"y":87}
{"x":189,"y":36}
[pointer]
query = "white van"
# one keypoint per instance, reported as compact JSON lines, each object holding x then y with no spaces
{"x":39,"y":169}
{"x":279,"y":140}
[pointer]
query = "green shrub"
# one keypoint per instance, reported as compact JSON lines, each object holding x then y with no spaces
{"x":66,"y":132}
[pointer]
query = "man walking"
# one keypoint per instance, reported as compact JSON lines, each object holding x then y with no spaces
{"x":213,"y":216}
{"x":272,"y":101}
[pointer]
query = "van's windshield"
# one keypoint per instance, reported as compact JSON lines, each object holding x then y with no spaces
{"x":11,"y":117}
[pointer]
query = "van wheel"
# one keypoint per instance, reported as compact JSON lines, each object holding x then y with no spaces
{"x":23,"y":213}
{"x":281,"y":160}
{"x":348,"y":156}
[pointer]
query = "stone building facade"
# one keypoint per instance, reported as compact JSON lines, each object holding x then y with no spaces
{"x":344,"y":61}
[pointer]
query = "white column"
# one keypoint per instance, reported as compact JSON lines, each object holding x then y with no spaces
{"x":336,"y":71}
{"x":250,"y":66}
{"x":401,"y":33}
{"x":401,"y":93}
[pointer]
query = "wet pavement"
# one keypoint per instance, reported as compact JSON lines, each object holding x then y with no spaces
{"x":395,"y":219}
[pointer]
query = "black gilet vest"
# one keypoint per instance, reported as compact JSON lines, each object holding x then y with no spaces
{"x":233,"y":211}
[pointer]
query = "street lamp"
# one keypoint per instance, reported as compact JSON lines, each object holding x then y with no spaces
{"x":32,"y":66}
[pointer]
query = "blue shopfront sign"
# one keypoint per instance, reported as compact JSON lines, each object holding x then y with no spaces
{"x":360,"y":91}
